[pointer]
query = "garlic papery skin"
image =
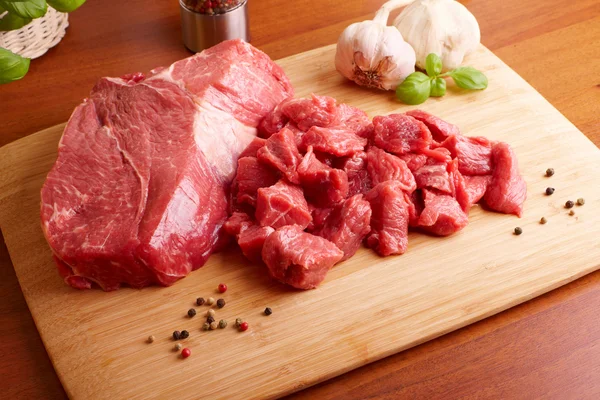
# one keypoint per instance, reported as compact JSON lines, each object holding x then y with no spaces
{"x":373,"y":54}
{"x":443,"y":27}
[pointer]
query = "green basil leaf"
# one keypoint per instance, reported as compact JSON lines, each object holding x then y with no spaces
{"x":26,"y":9}
{"x":12,"y":66}
{"x":11,"y":22}
{"x":469,"y":78}
{"x":438,"y":87}
{"x":65,"y":5}
{"x":433,"y":65}
{"x":415,"y":89}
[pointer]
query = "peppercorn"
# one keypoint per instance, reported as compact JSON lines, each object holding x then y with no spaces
{"x":176,"y":335}
{"x":220,"y":303}
{"x":518,"y":231}
{"x":569,"y":204}
{"x":151,"y":339}
{"x":549,"y":172}
{"x":200,"y":301}
{"x":210,"y":301}
{"x":580,"y":201}
{"x":214,"y":325}
{"x":268,"y":311}
{"x":210,"y":312}
{"x":210,"y":319}
{"x":222,"y":324}
{"x":572,"y":212}
{"x":177,"y":347}
{"x":222,"y":288}
{"x":543,"y":220}
{"x":185,"y":353}
{"x":192,"y":312}
{"x":184,"y":334}
{"x":549,"y":191}
{"x":206,"y":326}
{"x":238,"y":322}
{"x":244,"y":326}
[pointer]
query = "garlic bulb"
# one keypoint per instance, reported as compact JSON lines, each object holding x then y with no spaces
{"x":443,"y":27}
{"x":373,"y":54}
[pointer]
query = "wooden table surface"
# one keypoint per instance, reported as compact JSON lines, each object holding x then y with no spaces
{"x":546,"y":348}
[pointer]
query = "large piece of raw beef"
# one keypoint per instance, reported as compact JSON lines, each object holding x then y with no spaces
{"x":139,"y":191}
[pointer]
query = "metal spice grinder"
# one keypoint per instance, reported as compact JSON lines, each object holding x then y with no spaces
{"x":201,"y":31}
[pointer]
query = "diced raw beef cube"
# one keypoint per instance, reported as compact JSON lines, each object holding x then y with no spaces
{"x":389,"y":219}
{"x":316,"y":111}
{"x":383,"y":167}
{"x":354,"y":119}
{"x":414,"y":161}
{"x":434,"y":176}
{"x":439,"y":128}
{"x":280,"y":152}
{"x":442,"y":214}
{"x":298,"y":135}
{"x":356,"y":169}
{"x":474,"y":154}
{"x":323,"y":186}
{"x":348,"y":225}
{"x":251,"y":241}
{"x":339,"y":142}
{"x":400,"y":134}
{"x":274,"y":121}
{"x":319,"y":217}
{"x":282,"y":204}
{"x":251,"y":176}
{"x":476,"y":187}
{"x":237,"y":223}
{"x":507,"y":190}
{"x":253,"y":147}
{"x":299,"y":259}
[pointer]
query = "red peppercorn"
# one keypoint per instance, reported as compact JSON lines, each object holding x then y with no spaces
{"x":222,"y":287}
{"x":185,"y":353}
{"x":244,"y":326}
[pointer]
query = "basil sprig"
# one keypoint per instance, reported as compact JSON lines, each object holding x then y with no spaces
{"x":417,"y":87}
{"x":12,"y":66}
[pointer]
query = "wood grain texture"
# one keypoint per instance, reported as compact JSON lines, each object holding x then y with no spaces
{"x":113,"y":37}
{"x":439,"y":285}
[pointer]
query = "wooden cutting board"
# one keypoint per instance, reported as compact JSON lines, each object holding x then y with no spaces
{"x":368,"y":308}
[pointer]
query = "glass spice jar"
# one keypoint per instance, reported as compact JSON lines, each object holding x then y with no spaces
{"x":206,"y":23}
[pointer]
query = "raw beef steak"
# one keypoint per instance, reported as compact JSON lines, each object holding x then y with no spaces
{"x":138,"y":194}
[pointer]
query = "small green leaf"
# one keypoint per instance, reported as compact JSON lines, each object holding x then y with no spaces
{"x":469,"y":78}
{"x":11,"y":22}
{"x":438,"y":87}
{"x":26,"y":9}
{"x":415,"y":89}
{"x":433,"y":65}
{"x":12,"y":66}
{"x":65,"y":5}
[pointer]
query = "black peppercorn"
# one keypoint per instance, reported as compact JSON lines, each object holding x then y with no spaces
{"x":200,"y":301}
{"x":184,"y":335}
{"x":220,"y":303}
{"x":268,"y":311}
{"x":549,"y":172}
{"x":549,"y":191}
{"x":569,"y":204}
{"x":191,"y":312}
{"x":210,"y":319}
{"x":176,"y":335}
{"x":518,"y":231}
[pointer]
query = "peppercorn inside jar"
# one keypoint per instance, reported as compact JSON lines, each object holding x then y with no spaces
{"x":212,"y":7}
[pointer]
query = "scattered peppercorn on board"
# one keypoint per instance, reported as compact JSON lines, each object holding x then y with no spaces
{"x":368,"y":307}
